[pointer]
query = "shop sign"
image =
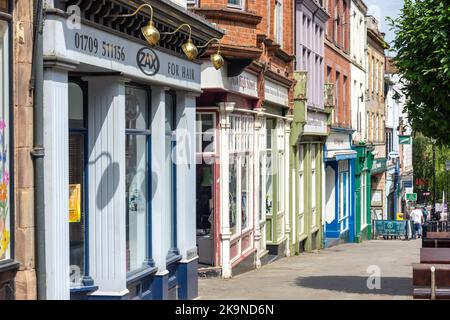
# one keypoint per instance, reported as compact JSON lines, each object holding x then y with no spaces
{"x":245,"y":83}
{"x":411,"y":197}
{"x":407,"y":184}
{"x":316,"y":123}
{"x":109,"y":51}
{"x":276,"y":93}
{"x":338,"y":141}
{"x":377,"y":198}
{"x":74,"y":203}
{"x":379,"y":166}
{"x":404,"y":139}
{"x":447,"y":165}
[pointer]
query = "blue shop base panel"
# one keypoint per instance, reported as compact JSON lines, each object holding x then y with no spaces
{"x":335,"y":238}
{"x":178,"y":282}
{"x":187,"y":276}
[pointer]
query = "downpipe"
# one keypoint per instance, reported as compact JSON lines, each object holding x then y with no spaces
{"x":38,"y":152}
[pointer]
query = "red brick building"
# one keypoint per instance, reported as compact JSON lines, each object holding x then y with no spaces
{"x":247,"y":104}
{"x":337,"y":59}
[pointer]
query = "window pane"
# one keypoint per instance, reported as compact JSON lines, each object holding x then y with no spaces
{"x":233,"y":194}
{"x":76,"y":108}
{"x":244,"y":192}
{"x":235,"y":2}
{"x":269,"y":184}
{"x":136,"y":108}
{"x":207,"y":124}
{"x":137,"y":198}
{"x":169,"y":174}
{"x":205,"y":203}
{"x":77,"y":201}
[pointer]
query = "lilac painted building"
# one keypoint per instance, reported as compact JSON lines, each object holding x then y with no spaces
{"x":311,"y":19}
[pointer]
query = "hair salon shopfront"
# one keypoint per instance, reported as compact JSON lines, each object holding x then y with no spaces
{"x":119,"y":121}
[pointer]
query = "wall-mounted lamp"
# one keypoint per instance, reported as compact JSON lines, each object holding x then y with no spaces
{"x":189,"y":48}
{"x":149,"y":31}
{"x":216,"y":58}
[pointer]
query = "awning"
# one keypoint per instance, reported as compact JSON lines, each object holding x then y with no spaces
{"x":338,"y":155}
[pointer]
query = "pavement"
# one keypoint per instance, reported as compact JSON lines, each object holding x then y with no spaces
{"x":345,"y":272}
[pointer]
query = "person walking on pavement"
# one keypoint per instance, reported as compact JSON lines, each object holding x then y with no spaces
{"x":417,"y":219}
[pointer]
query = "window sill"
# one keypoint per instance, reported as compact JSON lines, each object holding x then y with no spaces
{"x":173,"y":258}
{"x":138,"y":275}
{"x":8,"y":270}
{"x":83,"y":289}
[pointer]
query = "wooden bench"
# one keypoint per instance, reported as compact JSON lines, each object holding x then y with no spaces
{"x":436,"y":243}
{"x":438,"y":235}
{"x":435,"y":255}
{"x":431,"y":281}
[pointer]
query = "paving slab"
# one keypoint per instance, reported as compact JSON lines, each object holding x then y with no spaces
{"x":341,"y":272}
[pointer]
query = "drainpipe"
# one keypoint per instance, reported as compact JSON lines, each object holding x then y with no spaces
{"x":37,"y":86}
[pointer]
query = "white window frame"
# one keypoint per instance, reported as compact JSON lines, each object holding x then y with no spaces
{"x":313,"y":156}
{"x":278,"y":22}
{"x":236,"y":6}
{"x":301,"y":191}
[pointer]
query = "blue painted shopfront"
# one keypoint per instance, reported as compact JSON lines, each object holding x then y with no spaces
{"x":340,"y":188}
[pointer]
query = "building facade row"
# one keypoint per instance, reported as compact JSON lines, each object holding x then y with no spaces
{"x":133,"y":170}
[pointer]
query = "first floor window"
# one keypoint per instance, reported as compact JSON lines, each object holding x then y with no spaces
{"x":236,"y":3}
{"x":137,"y":178}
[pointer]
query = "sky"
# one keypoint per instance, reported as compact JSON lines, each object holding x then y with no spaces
{"x":381,"y":9}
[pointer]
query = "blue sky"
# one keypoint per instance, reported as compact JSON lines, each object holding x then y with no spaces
{"x":383,"y":8}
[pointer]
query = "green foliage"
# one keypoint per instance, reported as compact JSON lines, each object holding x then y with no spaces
{"x":423,"y":58}
{"x":423,"y":164}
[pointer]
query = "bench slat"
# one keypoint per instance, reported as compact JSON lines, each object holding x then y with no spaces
{"x":422,"y":275}
{"x":435,"y":255}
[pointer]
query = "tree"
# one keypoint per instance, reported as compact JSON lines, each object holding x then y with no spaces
{"x":422,"y":44}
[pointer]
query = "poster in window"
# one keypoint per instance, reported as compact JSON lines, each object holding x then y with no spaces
{"x":75,"y":203}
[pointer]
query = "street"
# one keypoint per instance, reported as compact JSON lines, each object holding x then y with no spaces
{"x":336,"y":273}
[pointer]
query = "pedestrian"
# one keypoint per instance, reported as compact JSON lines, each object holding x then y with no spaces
{"x":417,"y":220}
{"x":425,"y":213}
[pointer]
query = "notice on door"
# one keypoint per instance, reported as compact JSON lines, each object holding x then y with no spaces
{"x":75,"y":203}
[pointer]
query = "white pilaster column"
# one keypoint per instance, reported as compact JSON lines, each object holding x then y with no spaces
{"x":225,"y":233}
{"x":256,"y":199}
{"x":186,"y":175}
{"x":160,"y":213}
{"x":287,"y":184}
{"x":107,"y":203}
{"x":56,"y":195}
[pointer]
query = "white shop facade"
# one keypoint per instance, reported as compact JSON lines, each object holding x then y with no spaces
{"x":119,"y":121}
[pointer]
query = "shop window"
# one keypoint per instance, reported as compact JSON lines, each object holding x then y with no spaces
{"x":78,"y":195}
{"x":5,"y":215}
{"x":170,"y":173}
{"x":313,"y":151}
{"x":301,"y":191}
{"x":137,"y":152}
{"x":266,"y":190}
{"x":205,"y":133}
{"x":240,"y":179}
{"x":343,"y":195}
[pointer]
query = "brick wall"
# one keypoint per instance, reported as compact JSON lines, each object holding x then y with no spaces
{"x":337,"y":60}
{"x":24,"y":184}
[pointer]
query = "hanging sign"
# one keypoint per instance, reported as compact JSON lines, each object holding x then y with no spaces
{"x":404,"y":139}
{"x":411,"y":197}
{"x":75,"y":203}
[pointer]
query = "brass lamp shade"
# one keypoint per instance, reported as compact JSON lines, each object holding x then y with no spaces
{"x":150,"y":33}
{"x":190,"y":50}
{"x":217,"y":61}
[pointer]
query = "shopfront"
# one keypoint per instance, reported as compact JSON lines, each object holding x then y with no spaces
{"x":8,"y":267}
{"x":226,"y":171}
{"x":272,"y":187}
{"x":340,"y":186}
{"x":363,"y":166}
{"x":378,"y":185}
{"x":119,"y":121}
{"x":309,"y":130}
